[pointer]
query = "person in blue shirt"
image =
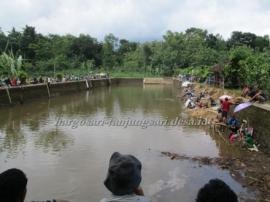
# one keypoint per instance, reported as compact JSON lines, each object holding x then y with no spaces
{"x":234,"y":123}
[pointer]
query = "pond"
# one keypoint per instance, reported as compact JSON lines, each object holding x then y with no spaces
{"x":70,"y":161}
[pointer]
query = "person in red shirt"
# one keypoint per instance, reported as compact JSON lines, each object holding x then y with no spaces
{"x":14,"y":82}
{"x":225,"y":107}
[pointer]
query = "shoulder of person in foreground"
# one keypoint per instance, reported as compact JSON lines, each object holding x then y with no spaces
{"x":54,"y":200}
{"x":126,"y":198}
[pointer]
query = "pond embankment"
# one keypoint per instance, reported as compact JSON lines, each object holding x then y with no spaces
{"x":157,"y":81}
{"x":21,"y":94}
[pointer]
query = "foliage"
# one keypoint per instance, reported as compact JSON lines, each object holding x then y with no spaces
{"x":199,"y":72}
{"x":22,"y":76}
{"x":235,"y":73}
{"x":245,"y":56}
{"x":59,"y":76}
{"x":9,"y":64}
{"x":258,"y":70}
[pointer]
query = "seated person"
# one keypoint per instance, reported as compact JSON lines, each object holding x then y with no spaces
{"x":188,"y":93}
{"x":234,"y":124}
{"x":257,"y":95}
{"x":219,"y":118}
{"x":212,"y":101}
{"x":13,"y":186}
{"x":7,"y":82}
{"x":245,"y":91}
{"x":216,"y":191}
{"x":35,"y":81}
{"x":124,"y":178}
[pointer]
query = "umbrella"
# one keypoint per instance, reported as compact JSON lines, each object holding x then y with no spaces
{"x":242,"y":106}
{"x":186,"y":83}
{"x":225,"y":96}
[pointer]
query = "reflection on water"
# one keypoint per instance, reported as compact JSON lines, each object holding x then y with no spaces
{"x":54,"y":140}
{"x":72,"y":163}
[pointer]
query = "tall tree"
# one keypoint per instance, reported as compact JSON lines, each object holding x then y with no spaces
{"x":28,"y":41}
{"x":110,"y":46}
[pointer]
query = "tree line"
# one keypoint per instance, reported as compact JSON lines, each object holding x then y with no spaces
{"x":244,"y":56}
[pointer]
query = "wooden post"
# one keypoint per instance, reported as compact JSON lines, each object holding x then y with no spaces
{"x":90,"y":83}
{"x":9,"y":98}
{"x":48,"y":90}
{"x":87,"y":85}
{"x":109,"y":82}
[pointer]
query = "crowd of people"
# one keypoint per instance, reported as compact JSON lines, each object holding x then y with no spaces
{"x":10,"y":82}
{"x":201,"y":100}
{"x":254,"y":93}
{"x":15,"y":81}
{"x":123,"y":181}
{"x":239,"y":131}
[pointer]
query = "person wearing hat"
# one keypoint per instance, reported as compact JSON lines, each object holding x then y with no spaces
{"x":123,"y":179}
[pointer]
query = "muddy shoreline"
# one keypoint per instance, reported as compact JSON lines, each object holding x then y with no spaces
{"x":249,"y":168}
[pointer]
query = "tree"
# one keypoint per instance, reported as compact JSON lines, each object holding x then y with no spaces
{"x":14,"y":41}
{"x":258,"y":70}
{"x":215,"y":42}
{"x":28,"y":41}
{"x":110,"y":46}
{"x":146,"y":55}
{"x":262,"y":43}
{"x":235,"y":71}
{"x":3,"y":41}
{"x":240,"y":39}
{"x":86,"y":48}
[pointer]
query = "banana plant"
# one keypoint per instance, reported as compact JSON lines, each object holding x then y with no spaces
{"x":9,"y":64}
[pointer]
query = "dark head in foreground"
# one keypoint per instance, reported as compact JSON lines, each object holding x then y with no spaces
{"x":12,"y":185}
{"x":216,"y":191}
{"x":124,"y":174}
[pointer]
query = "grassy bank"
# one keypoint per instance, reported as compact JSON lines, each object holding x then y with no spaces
{"x":132,"y":74}
{"x":80,"y":72}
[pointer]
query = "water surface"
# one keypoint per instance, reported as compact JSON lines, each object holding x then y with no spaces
{"x":71,"y":163}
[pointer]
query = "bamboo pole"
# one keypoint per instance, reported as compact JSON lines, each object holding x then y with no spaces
{"x":8,"y":94}
{"x":86,"y":83}
{"x":109,"y":81}
{"x":90,"y":83}
{"x":48,"y":90}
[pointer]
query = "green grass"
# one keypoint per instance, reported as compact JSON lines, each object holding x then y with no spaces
{"x":79,"y":72}
{"x":132,"y":74}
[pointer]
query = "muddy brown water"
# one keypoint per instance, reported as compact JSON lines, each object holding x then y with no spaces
{"x":68,"y":162}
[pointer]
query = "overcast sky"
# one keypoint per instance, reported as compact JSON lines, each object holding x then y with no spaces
{"x":138,"y":20}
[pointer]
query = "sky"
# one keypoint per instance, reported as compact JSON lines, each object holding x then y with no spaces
{"x":137,"y":20}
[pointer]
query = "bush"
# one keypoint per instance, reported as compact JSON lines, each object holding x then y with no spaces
{"x":59,"y":77}
{"x":22,"y":76}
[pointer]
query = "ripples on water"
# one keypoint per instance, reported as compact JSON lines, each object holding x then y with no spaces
{"x":62,"y":162}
